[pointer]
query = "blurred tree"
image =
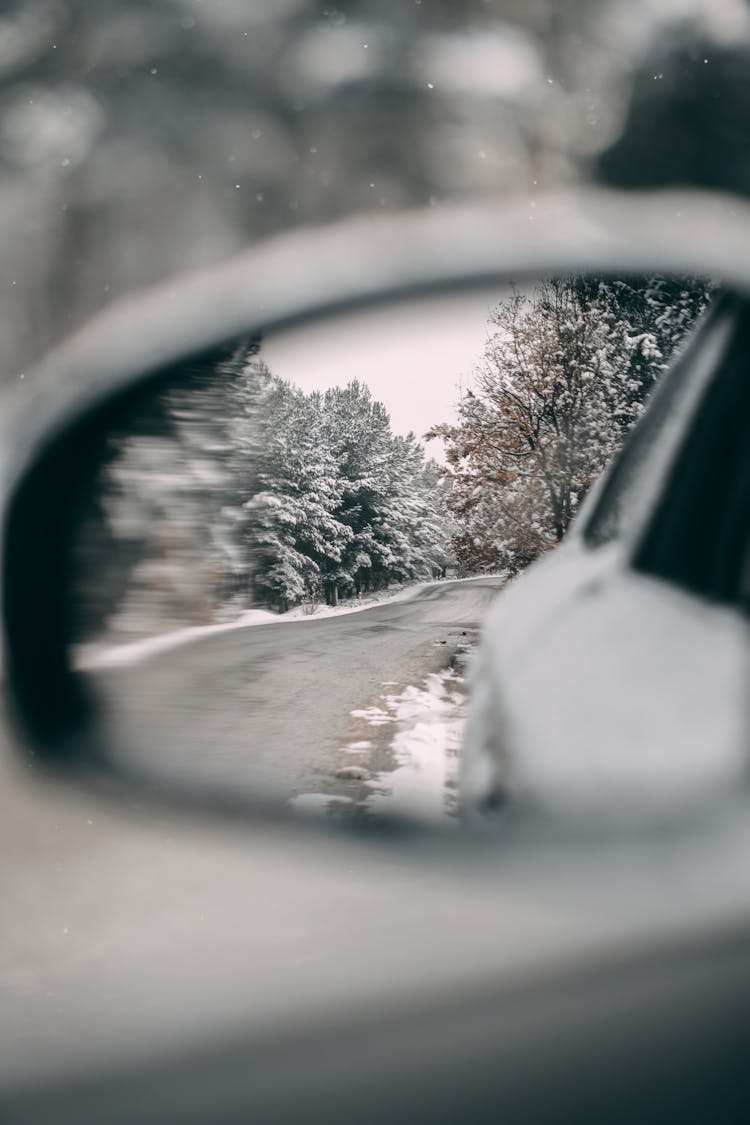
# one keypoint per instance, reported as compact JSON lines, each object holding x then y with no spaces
{"x":141,"y":139}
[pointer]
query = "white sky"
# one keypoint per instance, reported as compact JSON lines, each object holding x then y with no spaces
{"x":414,"y":356}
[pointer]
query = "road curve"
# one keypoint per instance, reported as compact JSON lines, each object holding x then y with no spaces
{"x":262,"y":710}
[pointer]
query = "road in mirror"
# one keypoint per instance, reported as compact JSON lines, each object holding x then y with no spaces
{"x":289,"y":547}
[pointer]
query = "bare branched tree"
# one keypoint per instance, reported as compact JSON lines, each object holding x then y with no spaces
{"x":566,"y":370}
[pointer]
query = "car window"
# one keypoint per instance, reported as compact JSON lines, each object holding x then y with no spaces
{"x":698,"y":536}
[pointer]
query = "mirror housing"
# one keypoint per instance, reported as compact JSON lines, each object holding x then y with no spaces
{"x":295,"y":280}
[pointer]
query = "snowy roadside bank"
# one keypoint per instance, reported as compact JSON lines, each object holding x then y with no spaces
{"x":93,"y":655}
{"x":429,"y":721}
{"x":421,"y":727}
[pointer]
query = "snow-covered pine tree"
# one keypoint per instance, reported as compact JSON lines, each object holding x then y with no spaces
{"x":359,"y":435}
{"x":290,"y":529}
{"x":398,"y":519}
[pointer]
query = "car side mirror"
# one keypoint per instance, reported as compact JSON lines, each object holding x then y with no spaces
{"x":217,"y":493}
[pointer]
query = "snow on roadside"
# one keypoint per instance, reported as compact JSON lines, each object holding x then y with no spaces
{"x":425,"y":749}
{"x":421,"y":785}
{"x":97,"y":654}
{"x":358,"y":747}
{"x":317,"y":802}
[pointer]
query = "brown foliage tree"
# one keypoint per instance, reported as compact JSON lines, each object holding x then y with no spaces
{"x":566,"y":369}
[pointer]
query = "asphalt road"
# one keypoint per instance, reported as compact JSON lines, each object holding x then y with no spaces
{"x":263,"y":710}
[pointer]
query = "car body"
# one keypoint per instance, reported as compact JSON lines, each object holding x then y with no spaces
{"x":613,"y":675}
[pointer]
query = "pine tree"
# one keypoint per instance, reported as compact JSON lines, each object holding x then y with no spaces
{"x":358,"y":432}
{"x":292,"y":533}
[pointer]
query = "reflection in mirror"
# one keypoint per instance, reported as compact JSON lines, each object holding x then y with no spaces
{"x":289,"y":547}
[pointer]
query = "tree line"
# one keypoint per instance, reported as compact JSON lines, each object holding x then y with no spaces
{"x":330,"y":501}
{"x":231,"y":488}
{"x":566,"y":371}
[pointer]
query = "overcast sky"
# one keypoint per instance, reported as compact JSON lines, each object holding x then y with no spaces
{"x":414,"y":356}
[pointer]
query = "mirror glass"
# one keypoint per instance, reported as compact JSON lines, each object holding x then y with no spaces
{"x":290,"y":544}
